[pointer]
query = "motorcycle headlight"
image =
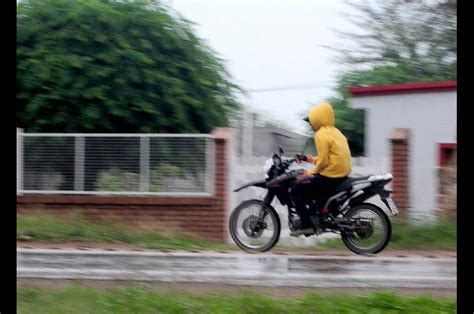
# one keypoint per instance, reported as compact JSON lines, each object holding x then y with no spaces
{"x":266,"y":167}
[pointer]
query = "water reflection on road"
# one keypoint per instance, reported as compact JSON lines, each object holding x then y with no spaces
{"x":268,"y":269}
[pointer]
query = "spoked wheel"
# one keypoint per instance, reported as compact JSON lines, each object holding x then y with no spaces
{"x":371,"y":231}
{"x":254,"y":226}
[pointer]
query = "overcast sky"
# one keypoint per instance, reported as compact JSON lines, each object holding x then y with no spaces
{"x":272,"y":44}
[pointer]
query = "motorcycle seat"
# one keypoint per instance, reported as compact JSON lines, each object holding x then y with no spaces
{"x":348,"y":183}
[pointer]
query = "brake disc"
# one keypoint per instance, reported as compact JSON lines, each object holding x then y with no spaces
{"x":250,"y":223}
{"x":364,"y":230}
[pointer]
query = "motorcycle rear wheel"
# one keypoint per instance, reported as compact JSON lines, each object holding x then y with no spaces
{"x":375,"y":223}
{"x":249,"y":232}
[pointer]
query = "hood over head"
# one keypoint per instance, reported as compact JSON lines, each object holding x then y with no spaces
{"x":321,"y":115}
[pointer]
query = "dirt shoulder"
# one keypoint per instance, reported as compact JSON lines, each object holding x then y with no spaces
{"x":283,"y":251}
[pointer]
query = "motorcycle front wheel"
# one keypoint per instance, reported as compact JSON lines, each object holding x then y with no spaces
{"x":255,"y":226}
{"x":371,"y":232}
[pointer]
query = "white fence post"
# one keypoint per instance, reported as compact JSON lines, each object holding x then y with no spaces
{"x":79,"y":163}
{"x":144,"y":164}
{"x":19,"y":161}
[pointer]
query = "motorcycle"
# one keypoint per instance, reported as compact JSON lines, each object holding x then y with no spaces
{"x":364,"y":227}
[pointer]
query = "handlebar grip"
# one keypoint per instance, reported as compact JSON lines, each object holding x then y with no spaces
{"x":301,"y":157}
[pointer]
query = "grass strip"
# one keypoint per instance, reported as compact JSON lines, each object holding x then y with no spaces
{"x":80,"y":299}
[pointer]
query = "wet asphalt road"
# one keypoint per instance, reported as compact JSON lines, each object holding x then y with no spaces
{"x":239,"y":268}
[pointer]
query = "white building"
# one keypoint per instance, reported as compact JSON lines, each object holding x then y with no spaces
{"x":429,"y":111}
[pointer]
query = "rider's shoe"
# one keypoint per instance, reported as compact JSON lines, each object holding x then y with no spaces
{"x":296,"y":223}
{"x":297,"y":233}
{"x":314,"y":220}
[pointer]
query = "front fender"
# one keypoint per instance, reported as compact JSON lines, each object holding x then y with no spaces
{"x":257,"y":183}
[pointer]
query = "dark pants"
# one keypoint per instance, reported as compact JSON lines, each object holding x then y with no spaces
{"x":316,"y":187}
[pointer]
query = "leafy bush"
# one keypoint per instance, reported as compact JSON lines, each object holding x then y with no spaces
{"x":116,"y":180}
{"x":159,"y":173}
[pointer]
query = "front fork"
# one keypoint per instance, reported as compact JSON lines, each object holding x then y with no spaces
{"x":263,"y":213}
{"x":269,"y":197}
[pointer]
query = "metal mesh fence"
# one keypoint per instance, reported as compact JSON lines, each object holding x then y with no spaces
{"x":116,"y":163}
{"x":48,"y":163}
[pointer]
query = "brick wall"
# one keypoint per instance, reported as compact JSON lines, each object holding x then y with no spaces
{"x":448,"y":188}
{"x":400,"y":148}
{"x":203,"y":216}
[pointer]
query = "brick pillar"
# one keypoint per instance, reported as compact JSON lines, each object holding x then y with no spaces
{"x":400,"y":149}
{"x":447,"y":199}
{"x":222,"y":137}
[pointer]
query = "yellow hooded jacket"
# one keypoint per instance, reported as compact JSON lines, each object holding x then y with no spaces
{"x":334,"y":156}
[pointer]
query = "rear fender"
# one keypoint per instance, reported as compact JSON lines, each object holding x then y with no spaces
{"x":387,"y":200}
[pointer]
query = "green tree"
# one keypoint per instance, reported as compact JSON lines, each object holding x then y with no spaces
{"x":116,"y":66}
{"x":401,"y":41}
{"x":420,"y":35}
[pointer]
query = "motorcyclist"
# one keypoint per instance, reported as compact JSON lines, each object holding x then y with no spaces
{"x":332,"y":166}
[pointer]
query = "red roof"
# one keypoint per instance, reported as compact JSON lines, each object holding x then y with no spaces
{"x":406,"y":88}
